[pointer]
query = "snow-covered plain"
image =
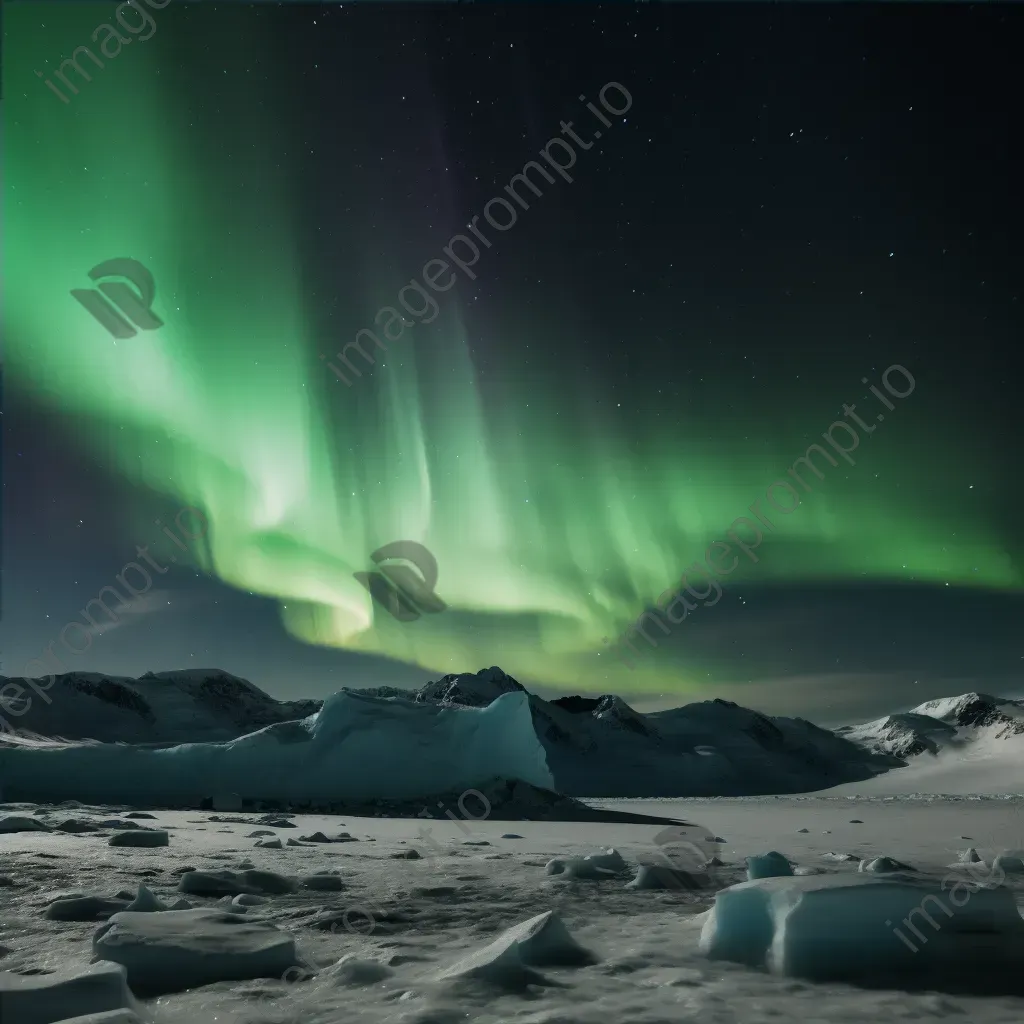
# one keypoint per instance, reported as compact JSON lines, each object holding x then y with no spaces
{"x":430,"y":914}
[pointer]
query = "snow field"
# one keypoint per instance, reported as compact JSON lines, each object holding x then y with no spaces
{"x":448,"y":944}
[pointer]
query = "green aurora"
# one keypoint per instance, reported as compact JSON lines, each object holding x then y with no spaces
{"x":551,"y":529}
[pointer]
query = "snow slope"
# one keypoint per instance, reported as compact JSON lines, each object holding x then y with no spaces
{"x":973,"y":743}
{"x":356,"y":747}
{"x":987,"y":765}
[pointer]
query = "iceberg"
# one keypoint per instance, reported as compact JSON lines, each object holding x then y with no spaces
{"x":357,"y":747}
{"x":892,"y":930}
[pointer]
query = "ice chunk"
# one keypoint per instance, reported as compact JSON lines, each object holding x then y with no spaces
{"x":155,"y":837}
{"x":83,"y":908}
{"x":593,"y":866}
{"x":768,"y":865}
{"x":354,"y":970}
{"x":542,"y":941}
{"x":247,"y":899}
{"x":19,"y":823}
{"x":74,"y":895}
{"x":894,"y":930}
{"x":146,"y":903}
{"x":882,"y":865}
{"x":660,"y":876}
{"x":1011,"y":862}
{"x":231,"y":883}
{"x":45,"y":998}
{"x":75,"y":827}
{"x":183,"y":949}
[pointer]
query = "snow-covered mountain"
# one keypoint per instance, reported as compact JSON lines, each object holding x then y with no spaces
{"x":940,"y":725}
{"x":600,"y":746}
{"x":470,"y":689}
{"x":973,"y":743}
{"x":159,"y":707}
{"x":593,"y":746}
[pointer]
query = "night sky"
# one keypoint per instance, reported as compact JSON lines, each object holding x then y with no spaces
{"x":797,"y":198}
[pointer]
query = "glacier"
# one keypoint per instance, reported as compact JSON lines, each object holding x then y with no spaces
{"x":356,"y":747}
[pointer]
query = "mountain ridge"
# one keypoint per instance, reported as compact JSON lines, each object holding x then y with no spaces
{"x":595,"y":746}
{"x":940,"y":725}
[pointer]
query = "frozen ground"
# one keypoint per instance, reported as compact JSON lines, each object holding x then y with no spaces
{"x":458,"y":899}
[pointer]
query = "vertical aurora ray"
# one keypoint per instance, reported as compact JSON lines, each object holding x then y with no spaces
{"x":551,"y":531}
